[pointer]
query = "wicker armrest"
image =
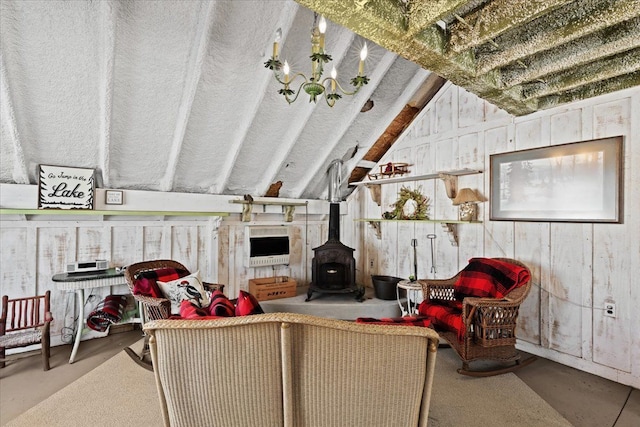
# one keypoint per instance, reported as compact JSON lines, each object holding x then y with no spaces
{"x":489,"y":321}
{"x":436,"y":289}
{"x":152,"y":301}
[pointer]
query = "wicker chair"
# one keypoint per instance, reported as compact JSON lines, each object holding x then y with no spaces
{"x":24,"y":322}
{"x":153,"y":308}
{"x":489,"y":325}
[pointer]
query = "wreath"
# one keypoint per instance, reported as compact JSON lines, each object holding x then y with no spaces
{"x":411,"y":204}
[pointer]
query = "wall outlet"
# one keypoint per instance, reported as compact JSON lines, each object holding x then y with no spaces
{"x":610,"y":309}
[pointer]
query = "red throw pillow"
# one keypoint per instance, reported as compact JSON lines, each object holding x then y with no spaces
{"x":145,"y":282}
{"x":247,"y":304}
{"x":189,"y":310}
{"x":220,"y":305}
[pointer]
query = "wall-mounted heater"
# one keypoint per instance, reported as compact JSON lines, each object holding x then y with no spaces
{"x":266,"y":245}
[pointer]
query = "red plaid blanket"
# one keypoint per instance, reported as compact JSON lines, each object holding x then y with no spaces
{"x":443,"y":316}
{"x":402,"y":321}
{"x":488,"y":277}
{"x":107,"y":312}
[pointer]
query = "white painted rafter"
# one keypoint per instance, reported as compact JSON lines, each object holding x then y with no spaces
{"x":108,"y":15}
{"x":285,"y":22}
{"x":197,"y":58}
{"x":7,"y":114}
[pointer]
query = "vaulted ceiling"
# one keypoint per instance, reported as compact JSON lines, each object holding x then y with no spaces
{"x":174,"y":96}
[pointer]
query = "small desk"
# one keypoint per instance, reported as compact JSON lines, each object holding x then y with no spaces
{"x":79,"y":282}
{"x":413,"y":290}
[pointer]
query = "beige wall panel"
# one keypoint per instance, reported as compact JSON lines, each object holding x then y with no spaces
{"x":616,"y":252}
{"x":184,"y":246}
{"x":125,"y":245}
{"x":570,"y":271}
{"x":56,"y":247}
{"x":471,"y":109}
{"x":17,"y":272}
{"x":223,"y":255}
{"x":153,"y":242}
{"x":566,"y":127}
{"x":93,"y":243}
{"x":445,"y":112}
{"x":532,"y":248}
{"x":498,"y":234}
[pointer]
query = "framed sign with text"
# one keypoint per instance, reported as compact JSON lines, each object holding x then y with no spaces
{"x":63,"y":187}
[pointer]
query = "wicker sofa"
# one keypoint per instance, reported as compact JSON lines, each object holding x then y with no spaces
{"x":287,"y":369}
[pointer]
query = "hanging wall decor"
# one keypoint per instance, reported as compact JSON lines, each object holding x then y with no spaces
{"x":411,"y":204}
{"x":63,"y":187}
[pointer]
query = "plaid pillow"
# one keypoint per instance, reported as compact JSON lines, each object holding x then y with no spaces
{"x":189,"y":310}
{"x":247,"y":304}
{"x":145,"y":281}
{"x":220,"y":305}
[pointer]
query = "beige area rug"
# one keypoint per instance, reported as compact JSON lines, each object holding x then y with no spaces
{"x":121,"y":393}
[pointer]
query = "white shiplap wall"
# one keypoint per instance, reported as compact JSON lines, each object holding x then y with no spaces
{"x":576,"y":267}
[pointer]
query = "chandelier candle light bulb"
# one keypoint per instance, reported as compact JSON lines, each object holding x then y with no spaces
{"x":286,"y":72}
{"x":322,"y":26}
{"x":334,"y":74}
{"x":363,"y":56}
{"x":275,"y":43}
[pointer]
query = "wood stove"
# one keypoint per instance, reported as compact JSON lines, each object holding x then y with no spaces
{"x":333,"y":268}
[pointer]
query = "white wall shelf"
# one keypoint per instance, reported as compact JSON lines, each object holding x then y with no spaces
{"x":77,"y":212}
{"x":288,"y":207}
{"x":450,"y":179}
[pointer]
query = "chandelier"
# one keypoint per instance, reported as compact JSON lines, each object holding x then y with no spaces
{"x":315,"y":86}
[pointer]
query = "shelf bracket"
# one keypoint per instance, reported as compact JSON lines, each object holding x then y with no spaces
{"x":376,"y":228}
{"x":451,"y":231}
{"x":450,"y":184}
{"x":246,"y":212}
{"x":288,"y":212}
{"x":376,"y":193}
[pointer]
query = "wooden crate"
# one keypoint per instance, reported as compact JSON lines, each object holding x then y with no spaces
{"x":272,"y":288}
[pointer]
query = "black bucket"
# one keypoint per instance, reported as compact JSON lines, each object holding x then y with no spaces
{"x":385,"y":287}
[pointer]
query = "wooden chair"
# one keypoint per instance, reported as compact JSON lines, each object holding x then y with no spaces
{"x":153,"y":308}
{"x":489,"y":324}
{"x":24,"y":322}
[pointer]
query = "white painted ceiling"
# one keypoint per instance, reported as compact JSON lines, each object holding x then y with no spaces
{"x":172,"y":95}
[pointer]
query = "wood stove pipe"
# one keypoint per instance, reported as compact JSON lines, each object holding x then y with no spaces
{"x":335,"y":182}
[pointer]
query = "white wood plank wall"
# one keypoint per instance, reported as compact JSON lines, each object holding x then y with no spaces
{"x":576,"y":267}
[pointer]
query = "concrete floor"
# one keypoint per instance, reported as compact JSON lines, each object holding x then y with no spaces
{"x":583,"y":399}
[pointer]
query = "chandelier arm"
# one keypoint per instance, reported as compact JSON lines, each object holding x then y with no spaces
{"x":330,"y":102}
{"x":344,"y":92}
{"x":297,"y":92}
